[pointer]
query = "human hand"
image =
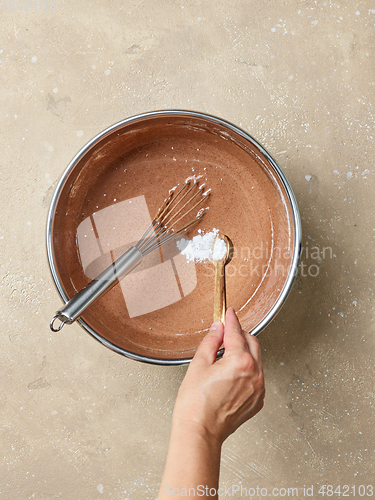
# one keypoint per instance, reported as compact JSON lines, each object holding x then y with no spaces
{"x":216,"y":397}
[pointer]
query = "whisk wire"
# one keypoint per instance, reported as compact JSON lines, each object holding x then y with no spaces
{"x":170,"y":215}
{"x":161,"y":230}
{"x":170,"y":199}
{"x":155,"y":243}
{"x":187,"y":213}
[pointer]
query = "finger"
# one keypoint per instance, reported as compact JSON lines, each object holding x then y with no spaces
{"x":234,"y":338}
{"x":208,"y":348}
{"x":254,"y":347}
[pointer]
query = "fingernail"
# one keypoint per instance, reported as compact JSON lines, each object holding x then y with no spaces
{"x":214,"y":325}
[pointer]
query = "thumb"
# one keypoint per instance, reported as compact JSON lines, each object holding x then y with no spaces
{"x":234,"y":338}
{"x":207,"y":350}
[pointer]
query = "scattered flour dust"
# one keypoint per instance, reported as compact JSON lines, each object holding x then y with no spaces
{"x":199,"y":248}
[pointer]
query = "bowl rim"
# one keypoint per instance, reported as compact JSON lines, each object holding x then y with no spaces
{"x":202,"y":116}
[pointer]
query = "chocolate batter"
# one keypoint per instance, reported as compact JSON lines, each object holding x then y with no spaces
{"x":147,"y":159}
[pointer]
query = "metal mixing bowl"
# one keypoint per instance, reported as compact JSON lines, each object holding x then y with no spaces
{"x":90,"y":161}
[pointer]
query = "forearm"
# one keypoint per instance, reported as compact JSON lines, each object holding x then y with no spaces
{"x":193,"y":463}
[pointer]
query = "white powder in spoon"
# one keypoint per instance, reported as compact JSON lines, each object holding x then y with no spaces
{"x":199,"y":248}
{"x":220,"y":249}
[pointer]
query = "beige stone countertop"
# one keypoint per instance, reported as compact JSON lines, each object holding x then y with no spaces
{"x":80,"y":422}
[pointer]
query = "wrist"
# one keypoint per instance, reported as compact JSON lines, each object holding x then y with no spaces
{"x":194,"y":429}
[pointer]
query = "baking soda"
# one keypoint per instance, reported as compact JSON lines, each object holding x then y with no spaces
{"x":220,"y":249}
{"x":199,"y":248}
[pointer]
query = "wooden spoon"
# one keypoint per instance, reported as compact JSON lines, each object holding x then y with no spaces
{"x":219,"y":291}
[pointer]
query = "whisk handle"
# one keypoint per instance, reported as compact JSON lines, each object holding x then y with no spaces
{"x":83,"y":299}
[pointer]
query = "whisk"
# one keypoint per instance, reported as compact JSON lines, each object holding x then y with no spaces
{"x":166,"y":225}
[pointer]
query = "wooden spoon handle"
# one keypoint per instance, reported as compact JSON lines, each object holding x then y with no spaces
{"x":219,"y":293}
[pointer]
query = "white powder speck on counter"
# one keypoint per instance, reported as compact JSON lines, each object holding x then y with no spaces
{"x":199,"y":248}
{"x":220,"y":249}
